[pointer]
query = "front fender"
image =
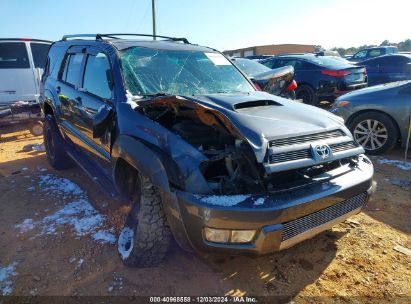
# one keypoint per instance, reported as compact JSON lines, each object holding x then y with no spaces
{"x":142,"y":159}
{"x":147,"y":163}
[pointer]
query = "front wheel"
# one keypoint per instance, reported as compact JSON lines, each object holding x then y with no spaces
{"x":146,"y":236}
{"x":375,"y":132}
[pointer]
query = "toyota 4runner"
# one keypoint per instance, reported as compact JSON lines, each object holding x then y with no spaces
{"x":182,"y":133}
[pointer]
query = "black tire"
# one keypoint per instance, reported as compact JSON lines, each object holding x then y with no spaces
{"x":36,"y":128}
{"x":146,"y":236}
{"x":376,"y":142}
{"x":307,"y":94}
{"x":54,"y":144}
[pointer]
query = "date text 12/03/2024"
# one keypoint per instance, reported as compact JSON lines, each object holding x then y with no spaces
{"x":222,"y":299}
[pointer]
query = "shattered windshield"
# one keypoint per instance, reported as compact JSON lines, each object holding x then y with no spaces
{"x":154,"y":71}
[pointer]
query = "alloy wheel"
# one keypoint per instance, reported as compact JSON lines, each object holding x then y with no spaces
{"x":371,"y":134}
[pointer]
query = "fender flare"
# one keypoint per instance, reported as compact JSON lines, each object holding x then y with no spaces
{"x":142,"y":158}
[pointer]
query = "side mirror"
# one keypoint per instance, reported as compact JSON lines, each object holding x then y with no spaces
{"x":101,"y":121}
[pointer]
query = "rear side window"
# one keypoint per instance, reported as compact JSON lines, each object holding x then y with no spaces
{"x":71,"y":72}
{"x":97,"y":75}
{"x":39,"y":52}
{"x":375,"y":53}
{"x":270,"y":63}
{"x":298,"y":65}
{"x":360,"y":55}
{"x":293,"y":62}
{"x":13,"y":55}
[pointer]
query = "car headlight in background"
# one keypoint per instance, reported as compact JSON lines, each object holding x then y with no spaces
{"x":228,"y":236}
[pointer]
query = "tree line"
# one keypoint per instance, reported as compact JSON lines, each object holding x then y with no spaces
{"x":403,"y":46}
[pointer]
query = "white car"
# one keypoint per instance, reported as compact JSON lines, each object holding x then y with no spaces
{"x":22,"y":63}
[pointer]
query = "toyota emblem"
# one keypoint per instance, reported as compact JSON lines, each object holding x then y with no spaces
{"x":323,"y":151}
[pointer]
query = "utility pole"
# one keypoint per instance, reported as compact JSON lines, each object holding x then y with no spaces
{"x":153,"y":11}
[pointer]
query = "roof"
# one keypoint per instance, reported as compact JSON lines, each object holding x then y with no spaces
{"x":116,"y":40}
{"x":122,"y":44}
{"x":298,"y":55}
{"x":381,"y":47}
{"x":389,"y":55}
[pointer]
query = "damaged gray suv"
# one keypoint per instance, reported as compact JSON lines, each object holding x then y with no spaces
{"x":181,"y":133}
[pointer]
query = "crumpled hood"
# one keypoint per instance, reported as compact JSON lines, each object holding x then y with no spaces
{"x":259,"y":124}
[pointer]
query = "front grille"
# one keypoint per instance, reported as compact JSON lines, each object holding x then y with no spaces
{"x":323,"y":216}
{"x":288,"y":156}
{"x":343,"y":146}
{"x":305,"y":138}
{"x":303,"y":154}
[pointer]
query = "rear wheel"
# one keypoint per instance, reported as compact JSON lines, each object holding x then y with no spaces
{"x":375,"y":131}
{"x":307,"y":94}
{"x":146,"y":236}
{"x":54,"y":144}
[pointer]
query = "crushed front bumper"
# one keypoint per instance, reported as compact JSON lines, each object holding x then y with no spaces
{"x":282,"y":220}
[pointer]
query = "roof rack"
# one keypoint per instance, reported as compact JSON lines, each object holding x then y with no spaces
{"x":26,"y":39}
{"x":114,"y":36}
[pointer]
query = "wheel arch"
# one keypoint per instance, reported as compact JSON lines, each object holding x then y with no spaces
{"x":128,"y":151}
{"x":47,"y":109}
{"x":305,"y":83}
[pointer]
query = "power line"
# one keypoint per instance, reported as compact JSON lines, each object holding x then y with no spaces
{"x":144,"y":17}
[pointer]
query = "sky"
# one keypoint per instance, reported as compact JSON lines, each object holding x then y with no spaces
{"x":221,"y":24}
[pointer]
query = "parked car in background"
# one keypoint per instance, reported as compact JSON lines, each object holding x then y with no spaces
{"x":377,"y":116}
{"x":321,"y":77}
{"x":368,"y":53}
{"x":328,"y":53}
{"x":22,"y":63}
{"x":278,"y":81}
{"x":388,"y":68}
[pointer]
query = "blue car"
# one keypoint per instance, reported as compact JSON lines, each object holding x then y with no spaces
{"x":320,"y":77}
{"x":388,"y":68}
{"x":373,"y":52}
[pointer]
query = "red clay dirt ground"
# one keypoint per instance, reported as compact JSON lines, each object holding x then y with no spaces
{"x":353,"y":262}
